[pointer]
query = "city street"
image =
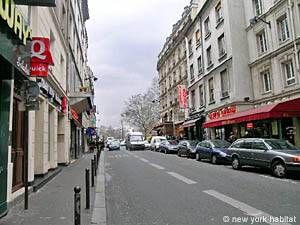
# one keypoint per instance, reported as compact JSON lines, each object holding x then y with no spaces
{"x":144,"y":187}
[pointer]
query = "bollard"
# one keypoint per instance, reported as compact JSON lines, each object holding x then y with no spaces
{"x":87,"y":188}
{"x":96,"y":164}
{"x":92,"y":173}
{"x":77,"y":205}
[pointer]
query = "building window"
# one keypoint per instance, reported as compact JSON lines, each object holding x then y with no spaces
{"x":266,"y":81}
{"x":283,"y":28}
{"x":190,"y":47}
{"x":221,"y":45}
{"x":211,"y":90}
{"x":192,"y":71}
{"x":193,"y":99}
{"x":219,"y":13}
{"x":201,"y":95}
{"x":199,"y":61}
{"x":170,"y":81}
{"x":289,"y":72}
{"x":261,"y":42}
{"x":207,"y":27}
{"x":257,"y":4}
{"x":208,"y":54}
{"x":198,"y":37}
{"x":224,"y":84}
{"x":174,"y":77}
{"x":180,"y":72}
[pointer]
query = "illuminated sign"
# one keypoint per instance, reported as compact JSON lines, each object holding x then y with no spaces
{"x":40,"y":57}
{"x":15,"y":21}
{"x":222,"y":112}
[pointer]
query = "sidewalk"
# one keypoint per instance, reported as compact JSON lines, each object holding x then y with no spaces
{"x":54,"y":203}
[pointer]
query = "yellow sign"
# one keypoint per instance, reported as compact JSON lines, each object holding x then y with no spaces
{"x":15,"y":20}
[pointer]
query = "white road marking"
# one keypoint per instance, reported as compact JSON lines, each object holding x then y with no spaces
{"x":144,"y":160}
{"x":182,"y":178}
{"x":157,"y":166}
{"x":278,"y":179}
{"x":247,"y":209}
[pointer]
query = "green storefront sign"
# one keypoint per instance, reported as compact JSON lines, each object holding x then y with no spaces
{"x":14,"y":53}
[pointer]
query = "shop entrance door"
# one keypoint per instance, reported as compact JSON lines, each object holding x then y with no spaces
{"x":4,"y":134}
{"x":18,"y":146}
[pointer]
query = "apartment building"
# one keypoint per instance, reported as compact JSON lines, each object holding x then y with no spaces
{"x":219,"y":79}
{"x":172,"y":69}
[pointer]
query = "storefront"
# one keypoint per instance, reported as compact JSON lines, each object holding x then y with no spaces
{"x":193,"y":128}
{"x":277,"y":120}
{"x":14,"y":66}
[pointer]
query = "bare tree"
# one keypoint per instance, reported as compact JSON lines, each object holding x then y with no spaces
{"x":142,"y":110}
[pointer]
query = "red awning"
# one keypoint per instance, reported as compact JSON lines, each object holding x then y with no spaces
{"x":278,"y":110}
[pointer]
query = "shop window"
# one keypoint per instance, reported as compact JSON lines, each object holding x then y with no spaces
{"x":261,"y":42}
{"x":224,"y":84}
{"x":266,"y":81}
{"x":288,"y":70}
{"x":283,"y":28}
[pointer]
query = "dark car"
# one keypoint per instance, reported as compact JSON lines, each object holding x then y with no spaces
{"x":278,"y":155}
{"x":187,"y":148}
{"x":214,"y":150}
{"x":169,"y":146}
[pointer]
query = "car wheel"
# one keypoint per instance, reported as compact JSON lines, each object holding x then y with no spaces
{"x":236,"y":164}
{"x":214,"y":159}
{"x":198,"y":157}
{"x":279,"y":169}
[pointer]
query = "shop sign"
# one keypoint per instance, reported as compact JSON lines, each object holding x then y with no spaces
{"x":64,"y":104}
{"x":182,"y":96}
{"x":41,"y":57}
{"x":249,"y":125}
{"x":222,"y":112}
{"x":45,"y":3}
{"x":15,"y":21}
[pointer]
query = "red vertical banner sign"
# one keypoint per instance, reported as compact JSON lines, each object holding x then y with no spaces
{"x":182,"y":96}
{"x":41,"y":57}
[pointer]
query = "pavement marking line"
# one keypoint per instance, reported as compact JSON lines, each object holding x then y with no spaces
{"x":182,"y":178}
{"x":157,"y":166}
{"x":247,"y":209}
{"x":144,"y":160}
{"x":284,"y":180}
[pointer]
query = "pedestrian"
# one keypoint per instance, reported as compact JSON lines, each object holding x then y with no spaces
{"x":232,"y":138}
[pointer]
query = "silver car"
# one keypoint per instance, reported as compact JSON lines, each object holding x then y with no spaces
{"x":278,"y":155}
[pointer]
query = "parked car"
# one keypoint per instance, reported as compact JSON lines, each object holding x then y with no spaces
{"x":108,"y":141}
{"x":114,"y":145}
{"x":214,"y":150}
{"x":123,"y":143}
{"x":187,"y":148}
{"x":155,"y":141}
{"x":135,"y":141}
{"x":147,"y":144}
{"x":168,"y":146}
{"x":278,"y":155}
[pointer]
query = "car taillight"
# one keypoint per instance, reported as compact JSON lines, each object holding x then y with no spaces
{"x":296,"y":159}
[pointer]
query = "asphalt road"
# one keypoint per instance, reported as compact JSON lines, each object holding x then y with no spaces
{"x":145,"y":188}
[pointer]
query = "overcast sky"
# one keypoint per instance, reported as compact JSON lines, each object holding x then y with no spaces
{"x":125,"y":38}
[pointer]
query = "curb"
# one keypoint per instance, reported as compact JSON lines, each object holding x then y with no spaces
{"x":99,"y":211}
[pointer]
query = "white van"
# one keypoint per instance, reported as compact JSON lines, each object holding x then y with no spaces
{"x":135,"y":141}
{"x":155,"y":141}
